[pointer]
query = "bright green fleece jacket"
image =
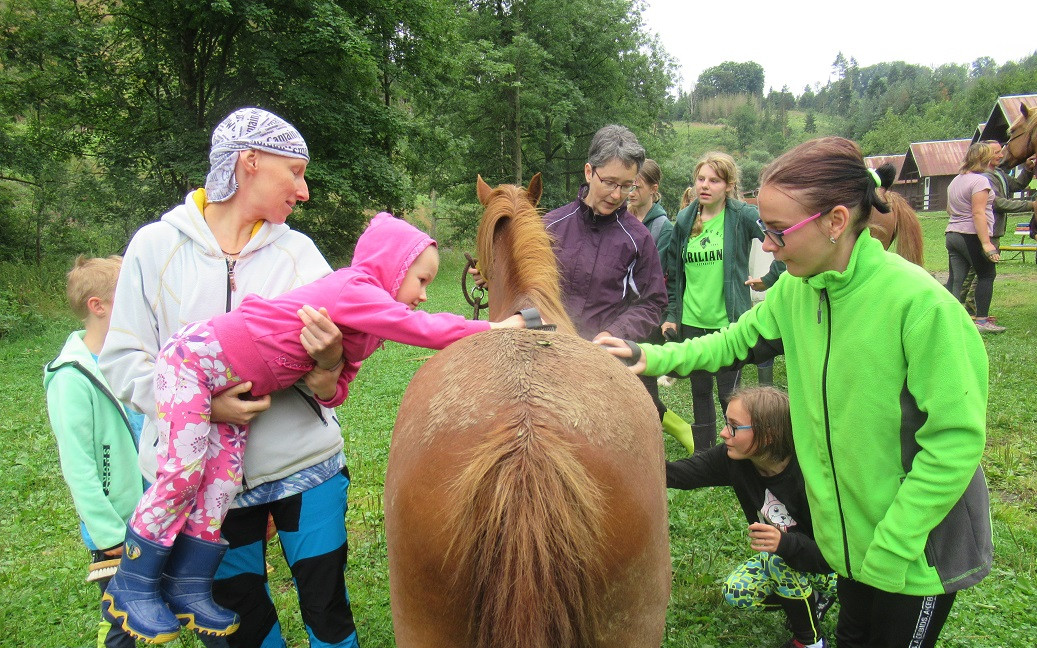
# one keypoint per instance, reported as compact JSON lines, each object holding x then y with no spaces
{"x":97,"y":450}
{"x":888,"y":391}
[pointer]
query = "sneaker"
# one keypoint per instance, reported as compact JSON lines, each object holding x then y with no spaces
{"x":986,"y":326}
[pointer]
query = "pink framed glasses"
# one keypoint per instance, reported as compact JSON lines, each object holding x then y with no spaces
{"x":778,"y":237}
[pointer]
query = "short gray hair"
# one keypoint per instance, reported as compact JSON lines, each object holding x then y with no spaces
{"x":612,"y":142}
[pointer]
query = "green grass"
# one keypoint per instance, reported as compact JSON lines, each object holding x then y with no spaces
{"x":42,"y":561}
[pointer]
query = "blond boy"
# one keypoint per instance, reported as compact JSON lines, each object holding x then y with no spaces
{"x":96,"y":435}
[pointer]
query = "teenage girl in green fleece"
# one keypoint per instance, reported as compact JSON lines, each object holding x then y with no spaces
{"x":888,"y":394}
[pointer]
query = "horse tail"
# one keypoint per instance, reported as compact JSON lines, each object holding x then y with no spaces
{"x":907,"y":231}
{"x":527,"y":540}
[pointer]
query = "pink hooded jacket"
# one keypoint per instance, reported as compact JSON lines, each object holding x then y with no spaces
{"x":260,"y":338}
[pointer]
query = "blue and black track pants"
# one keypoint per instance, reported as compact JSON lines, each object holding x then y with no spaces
{"x":312,"y":532}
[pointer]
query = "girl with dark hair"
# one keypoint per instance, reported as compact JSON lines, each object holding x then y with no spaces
{"x":757,"y":461}
{"x":644,"y":204}
{"x":889,"y":448}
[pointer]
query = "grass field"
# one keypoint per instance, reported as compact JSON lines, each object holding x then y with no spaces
{"x":42,"y":561}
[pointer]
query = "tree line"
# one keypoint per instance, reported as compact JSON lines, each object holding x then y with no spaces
{"x":885,"y":106}
{"x":106,"y":108}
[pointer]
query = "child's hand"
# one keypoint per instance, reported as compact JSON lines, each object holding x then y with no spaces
{"x":756,"y":284}
{"x":764,"y":537}
{"x":229,"y":406}
{"x":320,"y":337}
{"x":624,"y":352}
{"x":324,"y":382}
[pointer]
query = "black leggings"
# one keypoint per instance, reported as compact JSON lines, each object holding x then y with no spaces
{"x":872,"y":618}
{"x":704,"y":430}
{"x":965,"y":251}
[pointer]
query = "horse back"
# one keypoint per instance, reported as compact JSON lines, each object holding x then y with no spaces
{"x":525,"y":499}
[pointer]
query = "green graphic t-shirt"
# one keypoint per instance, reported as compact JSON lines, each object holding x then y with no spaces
{"x":704,"y":277}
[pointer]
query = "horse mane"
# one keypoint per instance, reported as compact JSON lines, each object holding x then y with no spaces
{"x":533,"y":279}
{"x":527,"y":538}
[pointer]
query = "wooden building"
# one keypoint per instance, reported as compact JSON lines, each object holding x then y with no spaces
{"x":1004,"y":113}
{"x":927,"y":170}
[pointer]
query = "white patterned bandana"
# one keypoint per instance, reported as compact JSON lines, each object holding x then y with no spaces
{"x":244,"y":129}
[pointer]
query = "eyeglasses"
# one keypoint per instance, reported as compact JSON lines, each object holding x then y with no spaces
{"x":624,"y":189}
{"x":778,"y":236}
{"x":736,"y":428}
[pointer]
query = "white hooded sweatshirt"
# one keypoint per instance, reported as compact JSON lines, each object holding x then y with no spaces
{"x":174,"y":273}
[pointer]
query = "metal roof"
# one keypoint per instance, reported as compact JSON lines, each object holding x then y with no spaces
{"x":875,"y":161}
{"x":936,"y":158}
{"x":1004,"y":113}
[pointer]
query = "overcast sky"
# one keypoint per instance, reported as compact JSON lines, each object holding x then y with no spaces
{"x":796,"y":41}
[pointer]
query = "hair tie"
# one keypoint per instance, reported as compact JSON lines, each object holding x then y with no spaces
{"x":875,"y":176}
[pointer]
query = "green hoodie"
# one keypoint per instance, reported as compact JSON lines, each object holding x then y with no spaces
{"x":96,"y":447}
{"x":888,"y":391}
{"x":740,"y":229}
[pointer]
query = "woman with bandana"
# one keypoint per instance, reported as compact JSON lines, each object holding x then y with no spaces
{"x":225,"y":242}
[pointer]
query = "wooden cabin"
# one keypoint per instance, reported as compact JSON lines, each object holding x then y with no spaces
{"x":928,"y":169}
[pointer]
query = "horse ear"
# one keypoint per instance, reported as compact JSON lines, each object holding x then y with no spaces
{"x":536,"y":189}
{"x":1023,"y":109}
{"x":482,"y":190}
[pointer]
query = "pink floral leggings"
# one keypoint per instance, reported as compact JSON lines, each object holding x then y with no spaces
{"x":199,"y":462}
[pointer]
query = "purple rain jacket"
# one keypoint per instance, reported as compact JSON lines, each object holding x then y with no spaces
{"x":612,"y":279}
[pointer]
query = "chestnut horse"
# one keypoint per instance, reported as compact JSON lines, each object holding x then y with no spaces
{"x":1022,"y":139}
{"x":525,"y":495}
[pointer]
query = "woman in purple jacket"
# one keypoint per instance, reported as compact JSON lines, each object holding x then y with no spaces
{"x":612,"y":279}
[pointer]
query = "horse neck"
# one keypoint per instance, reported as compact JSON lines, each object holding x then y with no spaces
{"x":524,"y":272}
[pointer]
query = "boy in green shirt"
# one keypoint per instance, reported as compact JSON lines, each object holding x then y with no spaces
{"x":96,"y":436}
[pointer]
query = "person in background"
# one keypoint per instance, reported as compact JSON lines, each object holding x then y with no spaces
{"x":889,"y":445}
{"x":757,"y":460}
{"x":1003,"y":186}
{"x":687,"y":197}
{"x":97,"y":437}
{"x":644,"y":204}
{"x":708,"y":284}
{"x":226,"y":241}
{"x":969,"y":233}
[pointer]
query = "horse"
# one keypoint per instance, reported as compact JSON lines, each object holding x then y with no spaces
{"x":525,"y":494}
{"x":1022,"y":139}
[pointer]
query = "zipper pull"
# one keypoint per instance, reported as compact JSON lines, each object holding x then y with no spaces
{"x":230,"y":275}
{"x":820,"y":302}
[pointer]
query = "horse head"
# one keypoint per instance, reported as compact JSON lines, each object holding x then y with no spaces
{"x":515,"y":253}
{"x":1022,"y":139}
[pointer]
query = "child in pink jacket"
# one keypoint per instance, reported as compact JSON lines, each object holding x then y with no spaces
{"x":200,"y":465}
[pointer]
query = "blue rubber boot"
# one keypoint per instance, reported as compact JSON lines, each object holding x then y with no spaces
{"x":132,"y":598}
{"x":187,"y":586}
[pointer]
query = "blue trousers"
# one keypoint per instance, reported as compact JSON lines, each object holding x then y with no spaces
{"x":312,"y":531}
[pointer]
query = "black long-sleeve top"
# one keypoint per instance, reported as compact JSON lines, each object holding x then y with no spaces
{"x":779,"y":500}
